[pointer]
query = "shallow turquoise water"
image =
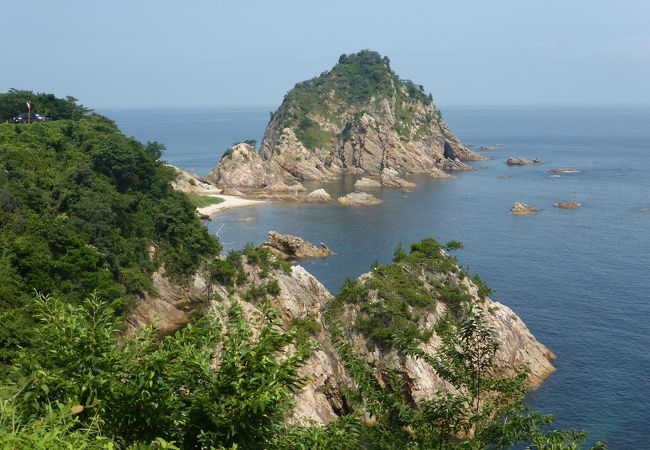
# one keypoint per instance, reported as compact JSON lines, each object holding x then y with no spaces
{"x":578,"y":278}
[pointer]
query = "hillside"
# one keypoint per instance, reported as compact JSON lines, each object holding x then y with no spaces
{"x":82,"y":208}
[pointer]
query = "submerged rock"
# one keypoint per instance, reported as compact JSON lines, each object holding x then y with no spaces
{"x":522,"y":209}
{"x":558,"y":170}
{"x":286,"y":246}
{"x":522,"y":162}
{"x":567,"y":205}
{"x":359,"y":198}
{"x":318,"y":196}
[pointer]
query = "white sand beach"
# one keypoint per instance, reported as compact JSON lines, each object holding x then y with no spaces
{"x":230,"y":201}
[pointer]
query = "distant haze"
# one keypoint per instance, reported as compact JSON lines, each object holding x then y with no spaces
{"x":159,"y":53}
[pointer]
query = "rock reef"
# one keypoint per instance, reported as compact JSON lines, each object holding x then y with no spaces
{"x":285,"y":246}
{"x":523,"y":162}
{"x":359,"y":199}
{"x":522,"y":209}
{"x":567,"y":205}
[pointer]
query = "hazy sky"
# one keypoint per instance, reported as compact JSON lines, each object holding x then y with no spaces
{"x":224,"y":53}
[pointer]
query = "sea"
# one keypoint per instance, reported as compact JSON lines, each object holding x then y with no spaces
{"x":580,"y":279}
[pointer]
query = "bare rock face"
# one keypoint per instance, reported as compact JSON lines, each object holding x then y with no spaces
{"x":188,"y":183}
{"x":523,"y":162}
{"x":567,"y":205}
{"x":241,"y":168}
{"x":366,"y":182}
{"x":318,"y":196}
{"x":286,"y":246}
{"x":522,"y":209}
{"x":358,"y":199}
{"x":390,"y":178}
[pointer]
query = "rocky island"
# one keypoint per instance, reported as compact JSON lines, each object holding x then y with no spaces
{"x":359,"y":117}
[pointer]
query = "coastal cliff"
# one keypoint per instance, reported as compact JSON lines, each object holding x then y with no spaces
{"x":366,"y":314}
{"x":358,"y":117}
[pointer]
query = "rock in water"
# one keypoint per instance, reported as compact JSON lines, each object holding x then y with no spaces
{"x":558,"y":170}
{"x":361,"y":117}
{"x":522,"y":209}
{"x":292,"y":247}
{"x":366,"y":183}
{"x":522,"y":161}
{"x":358,"y":199}
{"x":567,"y":205}
{"x":318,"y":196}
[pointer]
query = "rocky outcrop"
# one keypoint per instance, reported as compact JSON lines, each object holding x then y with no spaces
{"x":286,"y":246}
{"x":338,"y":122}
{"x":522,"y":209}
{"x":241,"y":168}
{"x":523,"y":162}
{"x":567,"y":205}
{"x":489,"y":148}
{"x":359,"y":199}
{"x":301,"y":295}
{"x":318,"y":196}
{"x":390,"y":178}
{"x":559,"y":170}
{"x":188,"y":183}
{"x":366,"y":182}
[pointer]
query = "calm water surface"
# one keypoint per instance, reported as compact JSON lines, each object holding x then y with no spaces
{"x":578,"y":278}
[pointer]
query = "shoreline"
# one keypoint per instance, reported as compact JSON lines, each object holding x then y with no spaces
{"x":230,"y":201}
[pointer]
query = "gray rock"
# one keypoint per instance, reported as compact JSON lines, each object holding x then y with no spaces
{"x":318,"y":196}
{"x":286,"y":246}
{"x":359,"y":199}
{"x":522,"y":209}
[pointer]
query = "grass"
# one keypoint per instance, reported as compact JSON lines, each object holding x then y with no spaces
{"x":201,"y":201}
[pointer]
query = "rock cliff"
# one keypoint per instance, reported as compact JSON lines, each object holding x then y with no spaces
{"x":358,"y":117}
{"x":438,"y":291}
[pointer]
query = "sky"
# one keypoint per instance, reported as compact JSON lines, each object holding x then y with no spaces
{"x":242,"y":53}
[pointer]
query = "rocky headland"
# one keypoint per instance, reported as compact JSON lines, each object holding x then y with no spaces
{"x":354,"y":317}
{"x":359,"y":117}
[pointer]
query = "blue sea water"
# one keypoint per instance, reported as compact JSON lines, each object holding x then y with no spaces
{"x":578,"y":278}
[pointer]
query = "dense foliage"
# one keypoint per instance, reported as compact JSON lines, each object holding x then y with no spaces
{"x":143,"y":390}
{"x":81,"y":208}
{"x":358,"y":82}
{"x":15,"y":101}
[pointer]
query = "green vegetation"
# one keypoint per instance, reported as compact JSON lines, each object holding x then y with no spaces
{"x":395,"y":296}
{"x":81,"y":204}
{"x":146,"y":391}
{"x":15,"y":101}
{"x":201,"y":201}
{"x":354,"y":81}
